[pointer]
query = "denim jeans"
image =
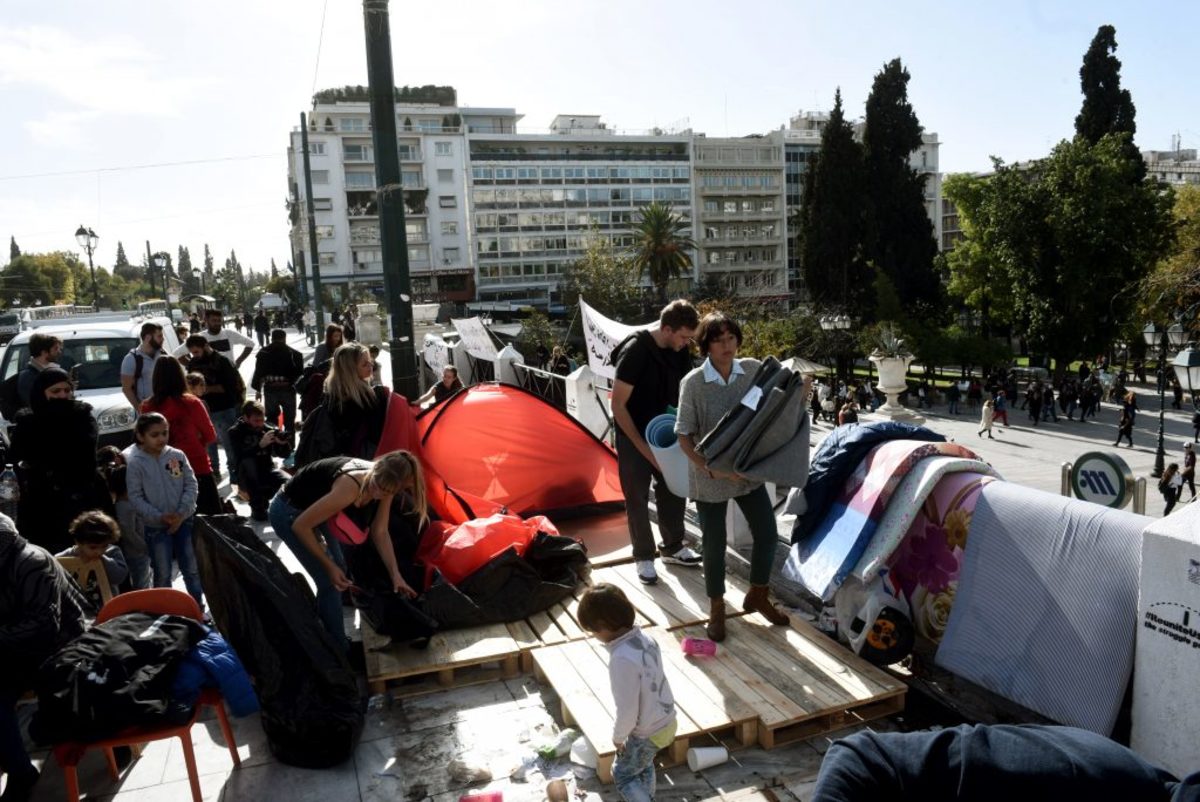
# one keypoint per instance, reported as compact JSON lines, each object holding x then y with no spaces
{"x":166,"y":549}
{"x":223,"y":421}
{"x":140,"y":574}
{"x":633,"y":770}
{"x":329,"y":600}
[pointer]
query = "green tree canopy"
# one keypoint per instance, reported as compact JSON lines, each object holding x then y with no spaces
{"x":661,"y":246}
{"x":898,"y":236}
{"x":40,"y":279}
{"x":831,"y":221}
{"x":1071,"y":236}
{"x":1174,"y":284}
{"x":976,"y":278}
{"x":1107,"y":108}
{"x":605,"y":279}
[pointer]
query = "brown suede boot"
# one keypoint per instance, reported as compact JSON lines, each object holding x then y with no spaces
{"x":716,"y":619}
{"x":757,"y":601}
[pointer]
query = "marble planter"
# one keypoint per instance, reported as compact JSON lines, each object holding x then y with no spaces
{"x":892,"y":373}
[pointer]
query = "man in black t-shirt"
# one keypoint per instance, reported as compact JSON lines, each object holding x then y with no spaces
{"x":650,"y":365}
{"x":223,"y":396}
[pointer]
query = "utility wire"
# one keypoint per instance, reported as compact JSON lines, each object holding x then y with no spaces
{"x":320,"y":41}
{"x":130,"y":167}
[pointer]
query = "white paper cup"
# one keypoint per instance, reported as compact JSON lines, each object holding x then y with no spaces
{"x":700,"y":758}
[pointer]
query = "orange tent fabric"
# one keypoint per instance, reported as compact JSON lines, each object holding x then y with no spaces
{"x":501,"y":444}
{"x":400,"y":431}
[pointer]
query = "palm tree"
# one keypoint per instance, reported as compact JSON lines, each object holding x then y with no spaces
{"x":661,"y":246}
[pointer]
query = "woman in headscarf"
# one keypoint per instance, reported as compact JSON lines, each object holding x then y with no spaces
{"x":54,"y":449}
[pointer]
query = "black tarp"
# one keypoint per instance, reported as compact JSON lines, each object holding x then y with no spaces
{"x":312,"y":711}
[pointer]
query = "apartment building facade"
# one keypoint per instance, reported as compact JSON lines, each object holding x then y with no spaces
{"x":740,"y":202}
{"x":1177,"y":167}
{"x":535,"y":198}
{"x":431,"y":139}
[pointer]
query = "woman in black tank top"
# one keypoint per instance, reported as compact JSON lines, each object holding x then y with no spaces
{"x":318,"y":493}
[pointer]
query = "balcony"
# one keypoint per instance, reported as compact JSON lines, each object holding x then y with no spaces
{"x":410,"y":154}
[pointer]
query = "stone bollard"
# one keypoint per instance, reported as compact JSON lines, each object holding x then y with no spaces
{"x":1166,"y":708}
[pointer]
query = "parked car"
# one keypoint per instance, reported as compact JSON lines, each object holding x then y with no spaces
{"x":10,"y":326}
{"x":94,"y":346}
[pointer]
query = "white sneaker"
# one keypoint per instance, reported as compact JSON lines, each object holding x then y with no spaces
{"x":685,"y":556}
{"x":646,"y":573}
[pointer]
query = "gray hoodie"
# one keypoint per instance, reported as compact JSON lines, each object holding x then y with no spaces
{"x":161,"y":485}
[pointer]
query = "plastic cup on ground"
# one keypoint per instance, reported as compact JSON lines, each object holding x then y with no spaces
{"x":699,"y":647}
{"x":700,"y":758}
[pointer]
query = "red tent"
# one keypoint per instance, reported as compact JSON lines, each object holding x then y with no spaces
{"x":504,"y":445}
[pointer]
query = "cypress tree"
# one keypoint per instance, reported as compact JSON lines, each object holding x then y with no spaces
{"x":831,"y":221}
{"x":13,"y":249}
{"x":898,"y":238}
{"x":1107,"y":108}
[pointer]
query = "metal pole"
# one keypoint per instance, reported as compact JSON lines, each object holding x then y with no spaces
{"x":312,"y":225}
{"x":1065,"y":479}
{"x":92,"y":267}
{"x":150,"y":269}
{"x":397,"y":285}
{"x":1139,"y":495}
{"x":1160,"y":456}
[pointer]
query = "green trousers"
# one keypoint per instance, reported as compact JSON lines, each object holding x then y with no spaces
{"x":756,"y":506}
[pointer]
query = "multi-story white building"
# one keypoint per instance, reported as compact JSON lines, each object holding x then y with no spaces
{"x":433,"y":156}
{"x":535,"y":198}
{"x":1173,"y":166}
{"x":741,"y":210}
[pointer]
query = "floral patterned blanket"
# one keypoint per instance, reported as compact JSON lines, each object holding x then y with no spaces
{"x":824,"y":559}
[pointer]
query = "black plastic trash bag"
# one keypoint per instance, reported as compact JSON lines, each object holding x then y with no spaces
{"x":312,"y":711}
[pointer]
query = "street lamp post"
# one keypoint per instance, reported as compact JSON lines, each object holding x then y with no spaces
{"x":88,"y":240}
{"x":198,"y":274}
{"x":1173,"y":337}
{"x":160,"y":261}
{"x":836,"y":323}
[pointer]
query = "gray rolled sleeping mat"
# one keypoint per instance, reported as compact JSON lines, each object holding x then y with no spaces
{"x":768,"y":443}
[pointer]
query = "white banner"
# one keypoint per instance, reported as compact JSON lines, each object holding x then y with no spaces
{"x":602,"y":335}
{"x":436,"y":353}
{"x":475,"y":338}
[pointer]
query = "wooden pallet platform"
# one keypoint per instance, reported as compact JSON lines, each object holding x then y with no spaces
{"x":800,"y":682}
{"x":606,"y":537}
{"x":578,"y":672}
{"x":558,"y":624}
{"x":679,"y":599}
{"x":454,"y":658}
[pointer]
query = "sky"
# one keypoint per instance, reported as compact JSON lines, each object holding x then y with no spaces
{"x":167,"y":121}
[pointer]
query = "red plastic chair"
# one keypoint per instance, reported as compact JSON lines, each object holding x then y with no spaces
{"x":162,"y":601}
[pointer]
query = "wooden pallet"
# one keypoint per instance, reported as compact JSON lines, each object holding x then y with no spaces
{"x":578,"y":672}
{"x":678,"y":599}
{"x":454,"y":658}
{"x":558,"y":624}
{"x":606,"y":537}
{"x":799,"y":682}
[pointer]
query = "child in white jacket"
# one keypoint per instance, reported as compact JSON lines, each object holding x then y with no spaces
{"x":163,"y":488}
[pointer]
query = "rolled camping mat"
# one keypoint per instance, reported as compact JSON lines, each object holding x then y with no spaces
{"x":660,"y":436}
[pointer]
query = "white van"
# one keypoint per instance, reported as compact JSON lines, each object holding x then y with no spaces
{"x":94,"y":346}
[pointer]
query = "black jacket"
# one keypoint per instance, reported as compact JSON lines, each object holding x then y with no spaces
{"x":54,"y":447}
{"x":245,"y":440}
{"x":277,"y":367}
{"x":219,"y":370}
{"x":41,"y":607}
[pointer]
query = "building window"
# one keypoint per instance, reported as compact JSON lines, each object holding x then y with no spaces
{"x":327,"y":259}
{"x":449,"y":255}
{"x":322,"y":205}
{"x":449,"y":227}
{"x":357,"y":153}
{"x":352,"y":124}
{"x":445,"y":176}
{"x":360,"y":180}
{"x":410,"y":180}
{"x":316,"y":148}
{"x":418,"y":253}
{"x":444,"y":148}
{"x":447,"y":202}
{"x":324,"y":232}
{"x":320,"y":176}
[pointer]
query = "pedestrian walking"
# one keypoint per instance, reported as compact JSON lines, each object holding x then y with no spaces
{"x":1000,"y":407}
{"x":953,"y":393}
{"x":262,"y":327}
{"x":987,"y":416}
{"x":1170,"y":485}
{"x":1125,"y":428}
{"x":1048,"y":408}
{"x":277,"y":367}
{"x":1189,"y":468}
{"x":1195,"y":425}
